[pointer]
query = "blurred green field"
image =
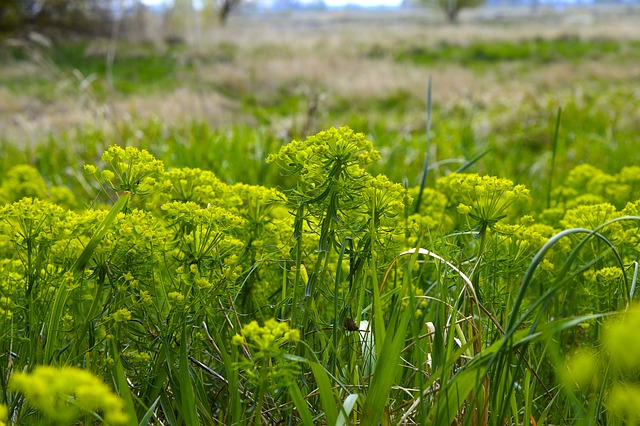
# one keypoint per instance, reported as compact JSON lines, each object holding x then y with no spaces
{"x":240,"y":92}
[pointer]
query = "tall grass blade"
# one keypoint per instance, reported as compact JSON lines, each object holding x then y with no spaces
{"x":554,"y":151}
{"x":347,"y":407}
{"x":60,"y":300}
{"x":123,"y":386}
{"x":474,"y":160}
{"x":187,"y":394}
{"x":144,"y":421}
{"x":301,"y":404}
{"x":326,"y":392}
{"x":101,"y":231}
{"x":386,"y":369}
{"x":425,"y":167}
{"x":634,"y":280}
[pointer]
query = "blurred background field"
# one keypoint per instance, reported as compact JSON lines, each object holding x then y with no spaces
{"x":222,"y":97}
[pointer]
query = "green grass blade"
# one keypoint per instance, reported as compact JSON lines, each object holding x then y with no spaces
{"x":60,"y":300}
{"x":187,"y":394}
{"x":425,"y":167}
{"x":101,"y":231}
{"x":474,"y":160}
{"x":144,"y":421}
{"x":554,"y":151}
{"x":347,"y":407}
{"x":123,"y":386}
{"x":385,"y":371}
{"x":326,"y":392}
{"x":301,"y":404}
{"x":378,"y":321}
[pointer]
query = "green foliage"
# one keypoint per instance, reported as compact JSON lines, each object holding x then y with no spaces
{"x":484,"y":306}
{"x":537,"y":50}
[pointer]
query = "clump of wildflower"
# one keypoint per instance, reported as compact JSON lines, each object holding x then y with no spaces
{"x":485,"y":199}
{"x":122,"y":315}
{"x":65,"y":394}
{"x":130,"y":169}
{"x":623,"y":401}
{"x":267,"y":338}
{"x":205,"y":235}
{"x":139,"y":358}
{"x":621,"y":341}
{"x":589,"y":216}
{"x":201,"y":187}
{"x":176,"y":297}
{"x":4,"y":415}
{"x":580,"y":370}
{"x":329,"y":163}
{"x":22,"y":181}
{"x":267,"y":365}
{"x":607,"y":275}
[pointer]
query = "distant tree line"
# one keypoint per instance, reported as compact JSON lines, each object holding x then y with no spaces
{"x":95,"y":17}
{"x":81,"y":16}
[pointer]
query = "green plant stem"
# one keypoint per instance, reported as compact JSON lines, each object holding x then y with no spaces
{"x":425,"y":167}
{"x":97,"y":299}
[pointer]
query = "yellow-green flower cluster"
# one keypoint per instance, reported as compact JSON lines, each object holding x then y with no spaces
{"x":620,"y":338}
{"x":607,"y":275}
{"x":122,"y":315}
{"x":267,"y":338}
{"x":331,"y":161}
{"x":199,"y":186}
{"x":267,"y":364}
{"x":130,"y":169}
{"x":65,"y":394}
{"x":580,"y":370}
{"x":586,"y":184}
{"x":25,"y":181}
{"x":486,"y":199}
{"x":342,"y":145}
{"x":4,"y":415}
{"x":589,"y":216}
{"x":623,"y":402}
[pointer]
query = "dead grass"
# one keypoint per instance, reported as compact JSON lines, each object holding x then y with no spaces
{"x":328,"y":54}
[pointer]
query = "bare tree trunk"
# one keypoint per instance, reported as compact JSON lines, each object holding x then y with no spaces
{"x":226,"y":8}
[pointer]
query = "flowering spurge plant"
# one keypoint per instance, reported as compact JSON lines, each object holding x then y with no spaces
{"x":129,"y":169}
{"x":339,"y":208}
{"x":468,"y":307}
{"x":484,"y":199}
{"x":263,"y":361}
{"x":66,"y":395}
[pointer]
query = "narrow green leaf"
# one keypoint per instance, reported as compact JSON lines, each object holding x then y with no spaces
{"x":187,"y":395}
{"x":123,"y":386}
{"x":385,"y":372}
{"x":425,"y":167}
{"x":101,"y":231}
{"x":347,"y":406}
{"x":473,"y":161}
{"x":326,"y":392}
{"x":144,"y":421}
{"x":60,"y":300}
{"x":554,"y":151}
{"x":378,"y":316}
{"x":301,"y":404}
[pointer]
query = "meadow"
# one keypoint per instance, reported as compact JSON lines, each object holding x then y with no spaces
{"x":324,"y":218}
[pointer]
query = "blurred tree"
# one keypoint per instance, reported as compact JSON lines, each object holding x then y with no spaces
{"x":82,"y":16}
{"x":219,"y":9}
{"x":452,"y":8}
{"x":225,"y":7}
